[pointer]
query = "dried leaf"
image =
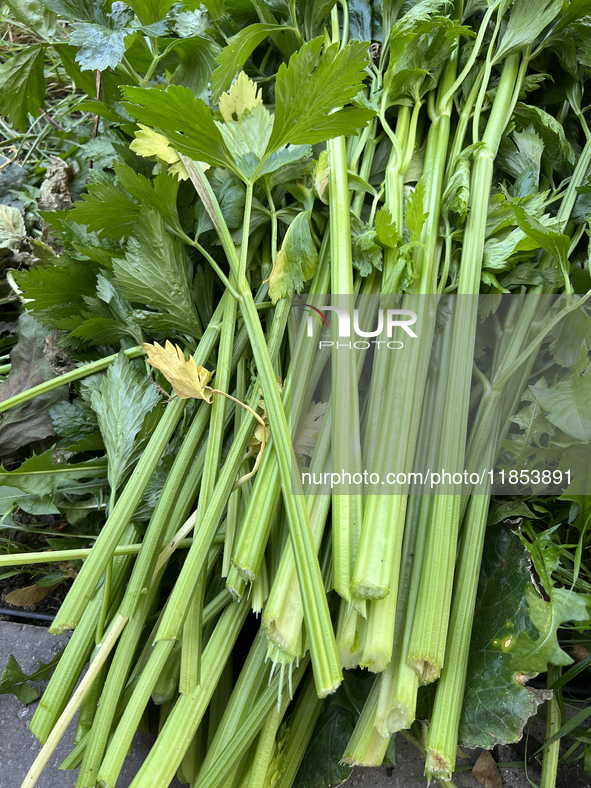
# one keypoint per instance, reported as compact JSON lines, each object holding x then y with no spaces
{"x":187,"y":379}
{"x":29,"y":596}
{"x":308,"y":435}
{"x":486,"y":771}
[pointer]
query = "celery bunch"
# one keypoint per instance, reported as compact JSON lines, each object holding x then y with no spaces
{"x":353,"y":149}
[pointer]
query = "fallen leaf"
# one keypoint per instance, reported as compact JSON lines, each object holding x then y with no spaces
{"x":308,"y":435}
{"x":12,"y":229}
{"x":29,"y":366}
{"x":29,"y":596}
{"x":486,"y":771}
{"x":187,"y":379}
{"x":579,"y":652}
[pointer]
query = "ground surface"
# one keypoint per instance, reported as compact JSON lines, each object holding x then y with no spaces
{"x":18,"y":746}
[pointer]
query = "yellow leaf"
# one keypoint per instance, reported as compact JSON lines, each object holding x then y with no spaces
{"x":148,"y":143}
{"x":320,"y":176}
{"x":29,"y":595}
{"x":187,"y":379}
{"x":179,"y":169}
{"x":242,"y":96}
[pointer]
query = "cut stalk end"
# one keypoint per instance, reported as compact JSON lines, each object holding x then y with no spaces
{"x":400,"y":718}
{"x":437,"y":766}
{"x":427,"y":670}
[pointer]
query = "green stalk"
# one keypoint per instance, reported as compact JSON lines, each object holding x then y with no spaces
{"x":262,"y":504}
{"x":71,"y":610}
{"x":78,"y":650}
{"x":182,"y":723}
{"x":301,"y":726}
{"x":366,"y":747}
{"x":68,"y":714}
{"x":553,"y":725}
{"x":427,"y":643}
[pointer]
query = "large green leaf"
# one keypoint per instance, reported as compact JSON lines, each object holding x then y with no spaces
{"x":121,"y":399}
{"x":496,"y":704}
{"x":100,"y":47}
{"x":80,"y":10}
{"x":106,"y":211}
{"x":568,"y":403}
{"x":22,"y":85}
{"x":235,"y":54}
{"x":154,"y":272}
{"x":197,"y":64}
{"x":34,"y":15}
{"x":527,"y":20}
{"x":185,"y":120}
{"x":311,"y":91}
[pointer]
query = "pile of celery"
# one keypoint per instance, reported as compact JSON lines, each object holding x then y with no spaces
{"x":431,"y":173}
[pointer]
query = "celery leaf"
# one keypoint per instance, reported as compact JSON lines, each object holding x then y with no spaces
{"x":22,"y":85}
{"x":154,"y":272}
{"x":296,"y":261}
{"x":312,"y":91}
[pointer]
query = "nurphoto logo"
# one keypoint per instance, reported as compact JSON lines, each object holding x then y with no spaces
{"x":395,"y":318}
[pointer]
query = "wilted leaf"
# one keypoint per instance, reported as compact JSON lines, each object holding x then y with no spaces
{"x":486,"y":771}
{"x":296,"y":261}
{"x":496,"y":704}
{"x":305,"y":443}
{"x":187,"y":379}
{"x":29,"y":367}
{"x":30,"y":595}
{"x":12,"y":228}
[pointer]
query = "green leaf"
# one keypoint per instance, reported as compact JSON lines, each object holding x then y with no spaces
{"x":160,"y":194}
{"x":296,"y":261}
{"x":100,"y":47}
{"x":73,"y":421}
{"x":414,"y":215}
{"x":314,"y":12}
{"x":35,"y":16}
{"x":29,"y":422}
{"x":311,"y":91}
{"x":235,"y":54}
{"x":35,"y":483}
{"x":527,"y":20}
{"x":555,"y":243}
{"x":154,"y":272}
{"x":186,"y":121}
{"x":121,"y":400}
{"x":22,"y":85}
{"x":568,"y":404}
{"x":57,"y":291}
{"x":14,"y":681}
{"x":197,"y":64}
{"x":150,"y":11}
{"x":367,"y":255}
{"x":496,"y":704}
{"x":106,"y":211}
{"x":534,"y":655}
{"x":80,"y":10}
{"x":573,"y":331}
{"x":321,"y":767}
{"x":557,"y":148}
{"x":386,"y":228}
